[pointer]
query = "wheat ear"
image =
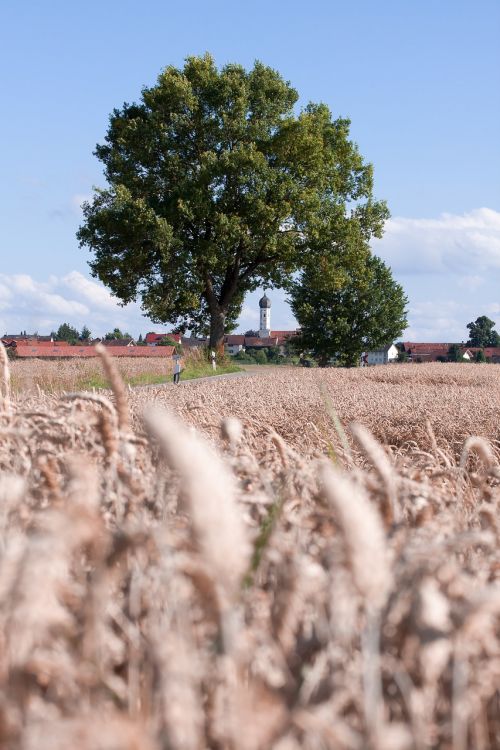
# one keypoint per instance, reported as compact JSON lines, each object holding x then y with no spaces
{"x":5,"y":403}
{"x":117,"y":386}
{"x":210,"y":491}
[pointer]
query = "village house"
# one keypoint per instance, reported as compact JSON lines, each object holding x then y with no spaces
{"x":439,"y":352}
{"x":10,"y":341}
{"x":382,"y":356}
{"x":153,"y":339}
{"x":426,"y":352}
{"x":234,"y":344}
{"x":492,"y":353}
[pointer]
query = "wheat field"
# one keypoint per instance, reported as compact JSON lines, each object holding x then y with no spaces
{"x":298,"y":559}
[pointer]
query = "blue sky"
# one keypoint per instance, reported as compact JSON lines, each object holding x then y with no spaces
{"x":419,"y":80}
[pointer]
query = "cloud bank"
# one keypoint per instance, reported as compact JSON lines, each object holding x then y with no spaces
{"x":465,"y":244}
{"x":27,"y":304}
{"x":449,"y":266}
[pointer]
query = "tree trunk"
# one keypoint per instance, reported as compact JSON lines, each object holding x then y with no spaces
{"x":217,"y":323}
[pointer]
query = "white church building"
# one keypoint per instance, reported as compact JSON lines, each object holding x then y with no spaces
{"x":265,"y":317}
{"x":267,"y":337}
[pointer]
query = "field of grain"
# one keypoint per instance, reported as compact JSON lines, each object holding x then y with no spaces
{"x":58,"y":375}
{"x":295,"y":559}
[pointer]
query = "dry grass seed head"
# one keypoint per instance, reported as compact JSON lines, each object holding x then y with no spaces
{"x":363,"y":535}
{"x":117,"y":386}
{"x":5,"y":403}
{"x":211,"y":494}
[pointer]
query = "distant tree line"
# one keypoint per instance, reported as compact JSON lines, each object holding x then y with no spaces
{"x":71,"y":335}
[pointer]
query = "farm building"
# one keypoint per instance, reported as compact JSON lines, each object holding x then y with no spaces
{"x":234,"y":344}
{"x":382,"y":356}
{"x":426,"y":352}
{"x":153,"y":339}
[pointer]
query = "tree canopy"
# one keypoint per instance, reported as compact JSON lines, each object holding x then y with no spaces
{"x":68,"y":333}
{"x":168,"y":341}
{"x":455,"y":353}
{"x":481,"y":332}
{"x":116,"y":334}
{"x":346,"y":304}
{"x":218,"y":185}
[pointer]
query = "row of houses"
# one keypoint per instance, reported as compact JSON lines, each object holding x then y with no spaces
{"x":427,"y":352}
{"x":439,"y":352}
{"x":45,"y":347}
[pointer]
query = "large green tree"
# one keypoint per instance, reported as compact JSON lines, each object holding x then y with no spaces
{"x":68,"y":333}
{"x":455,"y":353}
{"x":116,"y":334}
{"x":481,"y":332}
{"x":217,"y":185}
{"x":346,"y":303}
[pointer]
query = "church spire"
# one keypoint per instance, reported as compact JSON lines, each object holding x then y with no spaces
{"x":265,"y":317}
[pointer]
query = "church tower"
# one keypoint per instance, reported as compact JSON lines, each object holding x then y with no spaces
{"x":265,"y":317}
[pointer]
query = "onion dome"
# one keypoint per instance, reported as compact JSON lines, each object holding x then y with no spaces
{"x":264,"y":301}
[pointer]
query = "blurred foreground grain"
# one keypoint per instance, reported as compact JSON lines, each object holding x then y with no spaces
{"x":235,"y":564}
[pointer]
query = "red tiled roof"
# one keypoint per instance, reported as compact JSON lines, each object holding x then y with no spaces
{"x":8,"y":340}
{"x":38,"y":340}
{"x":43,"y":343}
{"x":431,"y":351}
{"x":419,"y":346}
{"x":257,"y":341}
{"x":153,"y":338}
{"x":234,"y":340}
{"x":489,"y":351}
{"x":19,"y":337}
{"x":90,"y":351}
{"x":284,"y":334}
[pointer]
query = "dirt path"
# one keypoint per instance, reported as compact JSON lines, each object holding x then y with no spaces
{"x":246,"y":371}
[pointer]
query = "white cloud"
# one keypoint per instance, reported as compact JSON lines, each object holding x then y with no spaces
{"x":249,"y":315}
{"x":29,"y":294}
{"x":440,"y":320}
{"x":452,"y":243}
{"x":92,"y":292}
{"x":28,"y":304}
{"x":493,"y":308}
{"x":470,"y":283}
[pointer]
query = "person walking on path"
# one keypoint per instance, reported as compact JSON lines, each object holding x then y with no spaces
{"x":177,"y":368}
